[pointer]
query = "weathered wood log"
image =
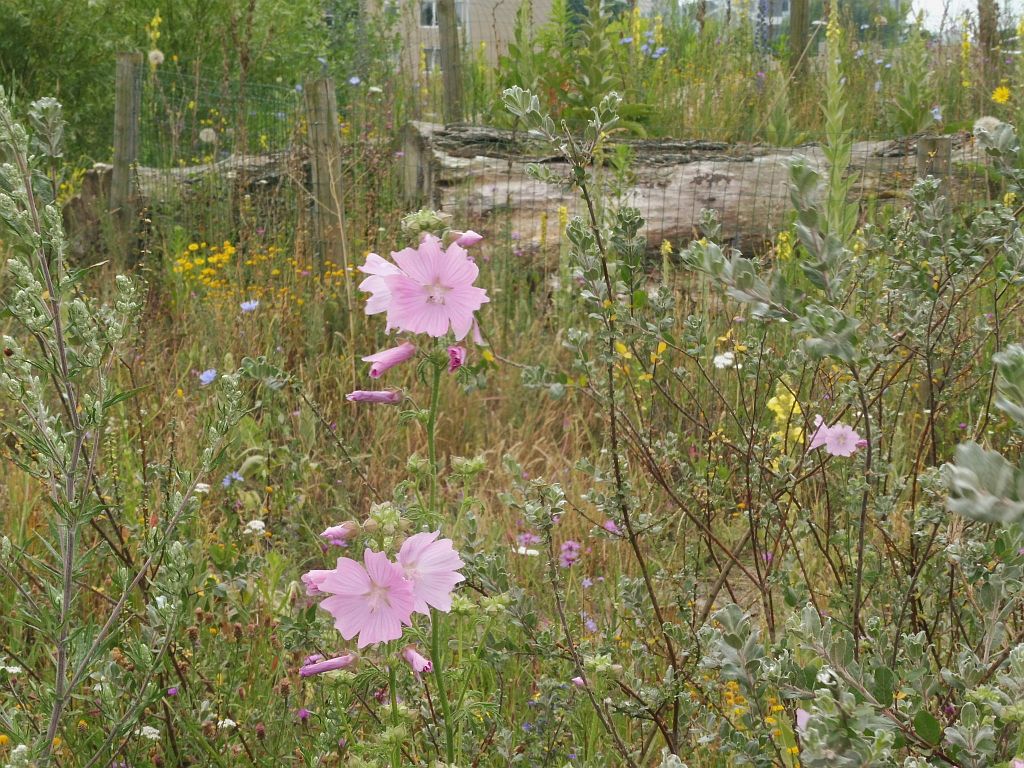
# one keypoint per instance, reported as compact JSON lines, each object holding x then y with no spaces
{"x":155,"y":185}
{"x":481,"y":173}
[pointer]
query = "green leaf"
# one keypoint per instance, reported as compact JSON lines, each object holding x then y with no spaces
{"x":885,"y":683}
{"x":927,"y":727}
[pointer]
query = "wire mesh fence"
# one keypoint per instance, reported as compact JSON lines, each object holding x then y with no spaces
{"x":228,"y":162}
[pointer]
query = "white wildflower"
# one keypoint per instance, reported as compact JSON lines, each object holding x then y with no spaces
{"x":255,"y":526}
{"x":724,"y":360}
{"x":149,"y":732}
{"x":208,"y":135}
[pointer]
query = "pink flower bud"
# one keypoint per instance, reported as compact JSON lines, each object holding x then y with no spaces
{"x":468,"y":238}
{"x":338,"y":662}
{"x":418,"y":662}
{"x":578,"y":682}
{"x":339,"y":535}
{"x":382,"y":396}
{"x":389,"y":358}
{"x":456,"y":358}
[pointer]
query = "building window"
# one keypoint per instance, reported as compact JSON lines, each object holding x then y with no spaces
{"x":428,"y":12}
{"x":432,"y":59}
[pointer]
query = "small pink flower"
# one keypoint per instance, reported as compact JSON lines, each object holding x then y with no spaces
{"x":1017,"y":763}
{"x":468,"y":238}
{"x":838,"y":440}
{"x":372,"y":599}
{"x":339,"y":535}
{"x":431,"y":564}
{"x":841,"y":440}
{"x":434,"y":291}
{"x":312,"y":581}
{"x":610,"y":526}
{"x":456,"y":358}
{"x":569,"y":553}
{"x":418,"y":662}
{"x":578,"y":682}
{"x":389,"y":358}
{"x":328,"y":665}
{"x":382,"y":396}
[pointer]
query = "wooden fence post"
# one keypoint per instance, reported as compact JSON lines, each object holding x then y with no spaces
{"x":325,"y":158}
{"x":451,"y":60}
{"x":934,"y":156}
{"x":799,"y":23}
{"x":127,"y":106}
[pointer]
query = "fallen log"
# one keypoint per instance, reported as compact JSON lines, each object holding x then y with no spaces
{"x":480,"y":175}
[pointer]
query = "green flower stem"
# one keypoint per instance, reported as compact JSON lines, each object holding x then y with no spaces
{"x":435,"y":623}
{"x":442,"y":694}
{"x":396,"y":750}
{"x":435,"y":396}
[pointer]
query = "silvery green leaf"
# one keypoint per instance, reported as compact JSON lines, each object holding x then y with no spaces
{"x":984,"y":486}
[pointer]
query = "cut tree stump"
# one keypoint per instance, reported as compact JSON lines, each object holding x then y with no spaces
{"x":479,"y":174}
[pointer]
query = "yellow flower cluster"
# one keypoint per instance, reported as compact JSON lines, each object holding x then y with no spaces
{"x":221,"y":273}
{"x":787,"y":411}
{"x":784,"y":246}
{"x":203,"y":265}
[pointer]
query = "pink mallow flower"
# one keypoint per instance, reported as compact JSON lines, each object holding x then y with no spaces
{"x":328,"y":665}
{"x":434,"y":291}
{"x":372,"y":599}
{"x":382,"y":396}
{"x":468,"y":238}
{"x":431,"y":564}
{"x":339,"y":535}
{"x":389,"y":358}
{"x":456,"y":358}
{"x":838,"y":440}
{"x":419,"y":663}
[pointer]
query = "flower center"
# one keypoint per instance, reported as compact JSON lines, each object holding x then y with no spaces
{"x":436,"y":293}
{"x":378,"y":597}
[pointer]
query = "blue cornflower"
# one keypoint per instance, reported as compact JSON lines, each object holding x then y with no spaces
{"x":626,"y":41}
{"x":232,"y":477}
{"x":207,"y":377}
{"x":354,"y":80}
{"x":250,"y":305}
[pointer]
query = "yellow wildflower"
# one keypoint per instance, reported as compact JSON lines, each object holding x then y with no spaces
{"x":1001,"y":95}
